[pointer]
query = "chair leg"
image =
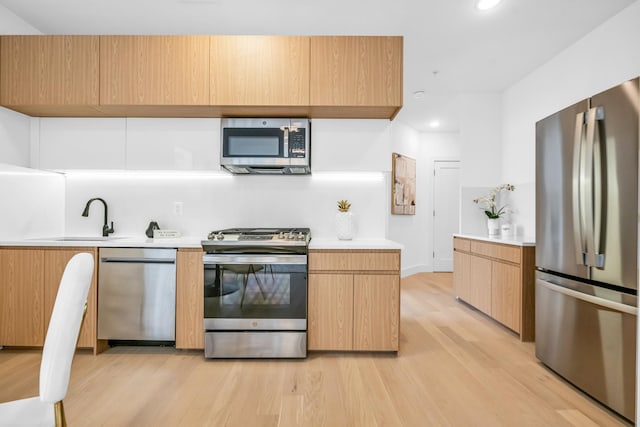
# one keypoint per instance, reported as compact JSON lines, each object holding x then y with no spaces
{"x":58,"y":408}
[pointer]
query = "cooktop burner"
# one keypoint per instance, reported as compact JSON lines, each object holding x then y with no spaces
{"x":260,"y":234}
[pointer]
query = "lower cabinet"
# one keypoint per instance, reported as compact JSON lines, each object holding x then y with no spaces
{"x":497,"y":279}
{"x":354,"y":300}
{"x":189,"y":299}
{"x":29,"y":281}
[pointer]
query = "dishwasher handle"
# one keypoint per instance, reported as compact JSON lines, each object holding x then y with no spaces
{"x":129,"y":260}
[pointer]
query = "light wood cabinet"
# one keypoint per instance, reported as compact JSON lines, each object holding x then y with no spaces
{"x":202,"y":76}
{"x":376,"y":312}
{"x":330,"y":310}
{"x":497,"y":279}
{"x":50,"y":75}
{"x":354,"y":300}
{"x":154,"y":71}
{"x":29,"y":281}
{"x":189,"y":299}
{"x":258,"y":72}
{"x":21,"y":297}
{"x":55,"y":261}
{"x":356,"y":76}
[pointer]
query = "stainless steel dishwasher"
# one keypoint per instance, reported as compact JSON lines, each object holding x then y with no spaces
{"x":137,"y":294}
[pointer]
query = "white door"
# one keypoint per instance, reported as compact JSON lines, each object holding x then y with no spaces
{"x":446,"y":209}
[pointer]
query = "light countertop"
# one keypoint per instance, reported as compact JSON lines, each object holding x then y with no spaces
{"x":507,"y":240}
{"x":116,"y":241}
{"x":186,"y":242}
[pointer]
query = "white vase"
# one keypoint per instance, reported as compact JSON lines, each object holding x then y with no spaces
{"x":493,"y":225}
{"x":344,"y":225}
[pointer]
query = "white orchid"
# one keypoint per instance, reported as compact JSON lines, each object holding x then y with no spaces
{"x":488,"y":202}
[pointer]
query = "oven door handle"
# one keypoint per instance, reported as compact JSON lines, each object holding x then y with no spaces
{"x":210,"y":259}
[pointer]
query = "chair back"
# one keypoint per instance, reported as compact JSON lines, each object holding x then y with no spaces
{"x":64,"y":328}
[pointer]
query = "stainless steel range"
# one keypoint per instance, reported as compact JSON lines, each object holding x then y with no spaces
{"x":255,"y":292}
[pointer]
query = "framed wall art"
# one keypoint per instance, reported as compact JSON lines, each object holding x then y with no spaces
{"x":403,"y":186}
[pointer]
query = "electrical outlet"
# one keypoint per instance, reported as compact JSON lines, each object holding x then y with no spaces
{"x":177,"y":208}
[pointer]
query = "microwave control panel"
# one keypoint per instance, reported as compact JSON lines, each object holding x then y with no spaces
{"x":297,"y":144}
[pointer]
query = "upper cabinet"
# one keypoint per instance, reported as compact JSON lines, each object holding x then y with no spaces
{"x":202,"y":76}
{"x":354,"y":76}
{"x":154,"y":71}
{"x":260,"y":71}
{"x":38,"y":72}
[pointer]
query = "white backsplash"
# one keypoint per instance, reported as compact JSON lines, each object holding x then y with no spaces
{"x":220,"y":200}
{"x":32,"y":203}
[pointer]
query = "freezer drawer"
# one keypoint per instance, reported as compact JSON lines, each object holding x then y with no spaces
{"x":588,"y":340}
{"x":137,"y":294}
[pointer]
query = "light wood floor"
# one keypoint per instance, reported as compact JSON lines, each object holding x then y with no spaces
{"x":455,"y":368}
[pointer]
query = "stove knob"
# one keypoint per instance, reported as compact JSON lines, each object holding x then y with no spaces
{"x":300,"y":236}
{"x":291,"y":235}
{"x":281,"y":235}
{"x":220,"y":236}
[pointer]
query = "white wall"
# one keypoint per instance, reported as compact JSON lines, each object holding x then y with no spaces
{"x":415,"y":232}
{"x":10,"y":23}
{"x":480,"y":139}
{"x":32,"y":203}
{"x":605,"y":57}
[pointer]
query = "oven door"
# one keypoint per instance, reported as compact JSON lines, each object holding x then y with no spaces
{"x":255,"y":292}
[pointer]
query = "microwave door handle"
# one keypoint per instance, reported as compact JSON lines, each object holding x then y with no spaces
{"x":285,"y":145}
{"x":578,"y":189}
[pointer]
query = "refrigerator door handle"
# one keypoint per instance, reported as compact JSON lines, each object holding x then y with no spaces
{"x":598,"y":258}
{"x":578,"y":189}
{"x":611,"y":305}
{"x":588,"y":188}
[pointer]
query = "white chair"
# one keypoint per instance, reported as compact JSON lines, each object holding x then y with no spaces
{"x":57,"y":354}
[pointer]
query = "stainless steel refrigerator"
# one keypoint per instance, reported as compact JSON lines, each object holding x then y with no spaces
{"x":586,"y":244}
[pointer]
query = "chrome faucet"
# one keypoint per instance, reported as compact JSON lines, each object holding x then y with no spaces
{"x":106,"y":230}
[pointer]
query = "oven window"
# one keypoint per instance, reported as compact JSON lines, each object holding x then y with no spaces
{"x":265,"y":291}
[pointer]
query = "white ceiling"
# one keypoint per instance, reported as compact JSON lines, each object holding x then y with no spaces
{"x":450,"y":47}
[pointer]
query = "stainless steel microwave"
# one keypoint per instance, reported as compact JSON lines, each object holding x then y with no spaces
{"x":265,"y":146}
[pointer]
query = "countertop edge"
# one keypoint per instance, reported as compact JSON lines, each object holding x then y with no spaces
{"x":381,"y":244}
{"x":511,"y":240}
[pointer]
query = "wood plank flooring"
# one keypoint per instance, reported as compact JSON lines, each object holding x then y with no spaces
{"x":455,"y":367}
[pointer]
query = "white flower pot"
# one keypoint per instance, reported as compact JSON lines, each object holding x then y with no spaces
{"x":344,"y":225}
{"x":493,"y":225}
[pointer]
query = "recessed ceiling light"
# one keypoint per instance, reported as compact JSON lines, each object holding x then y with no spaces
{"x":434,"y":124}
{"x":486,"y":4}
{"x":419,"y":94}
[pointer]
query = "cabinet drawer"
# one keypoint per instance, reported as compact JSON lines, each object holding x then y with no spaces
{"x":461,"y":244}
{"x":503,"y":252}
{"x":354,"y":261}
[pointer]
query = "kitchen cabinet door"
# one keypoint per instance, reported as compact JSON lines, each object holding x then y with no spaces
{"x":21,"y":297}
{"x":480,"y":284}
{"x":189,"y":299}
{"x":462,"y":275}
{"x":376,"y":312}
{"x":506,"y":298}
{"x":50,"y":75}
{"x":55,"y":261}
{"x":260,"y":71}
{"x":330,"y":312}
{"x":356,"y":76}
{"x":154,"y":71}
